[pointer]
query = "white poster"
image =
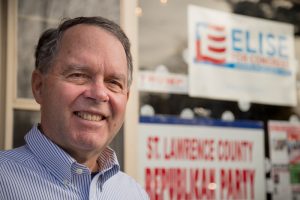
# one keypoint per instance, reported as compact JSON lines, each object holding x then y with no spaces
{"x":201,"y":159}
{"x":234,"y":57}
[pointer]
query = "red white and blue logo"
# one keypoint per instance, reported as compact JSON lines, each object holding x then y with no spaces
{"x":211,"y":44}
{"x":259,"y":51}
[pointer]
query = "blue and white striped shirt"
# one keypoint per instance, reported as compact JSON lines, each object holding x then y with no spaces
{"x":40,"y":170}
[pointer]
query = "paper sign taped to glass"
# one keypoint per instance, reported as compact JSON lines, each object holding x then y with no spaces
{"x":240,"y":58}
{"x":201,"y":159}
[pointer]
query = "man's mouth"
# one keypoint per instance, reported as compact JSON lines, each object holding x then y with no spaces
{"x":89,"y":116}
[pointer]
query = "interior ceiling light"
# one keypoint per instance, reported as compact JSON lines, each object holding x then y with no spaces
{"x":163,"y":1}
{"x":138,"y":11}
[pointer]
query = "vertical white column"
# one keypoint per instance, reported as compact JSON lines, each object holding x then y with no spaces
{"x":11,"y":53}
{"x":129,"y":23}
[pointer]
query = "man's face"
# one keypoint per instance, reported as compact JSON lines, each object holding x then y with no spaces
{"x":83,"y":97}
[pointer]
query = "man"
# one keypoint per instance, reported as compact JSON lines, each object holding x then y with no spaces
{"x":82,"y":76}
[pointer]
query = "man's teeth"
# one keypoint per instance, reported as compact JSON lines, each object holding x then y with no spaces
{"x":88,"y":116}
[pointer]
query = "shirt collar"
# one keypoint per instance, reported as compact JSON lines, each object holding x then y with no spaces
{"x":58,"y":162}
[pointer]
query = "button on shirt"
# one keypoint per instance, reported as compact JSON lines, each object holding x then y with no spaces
{"x":40,"y":170}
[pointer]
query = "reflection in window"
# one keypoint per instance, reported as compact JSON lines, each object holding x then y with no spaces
{"x":23,"y":121}
{"x":163,"y":39}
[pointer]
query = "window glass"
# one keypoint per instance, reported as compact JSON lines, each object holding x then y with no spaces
{"x":163,"y":42}
{"x":163,"y":32}
{"x":163,"y":45}
{"x":23,"y":121}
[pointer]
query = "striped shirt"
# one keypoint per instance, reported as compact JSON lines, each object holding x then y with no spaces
{"x":40,"y":170}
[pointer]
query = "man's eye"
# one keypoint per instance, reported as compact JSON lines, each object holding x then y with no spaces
{"x":79,"y":78}
{"x":78,"y":75}
{"x":115,"y":85}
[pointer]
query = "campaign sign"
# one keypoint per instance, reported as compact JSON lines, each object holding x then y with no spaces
{"x":192,"y":159}
{"x":234,"y":57}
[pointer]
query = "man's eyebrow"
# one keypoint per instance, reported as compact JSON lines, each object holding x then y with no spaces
{"x":75,"y":67}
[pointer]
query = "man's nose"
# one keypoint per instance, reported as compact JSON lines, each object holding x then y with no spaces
{"x":98,"y":92}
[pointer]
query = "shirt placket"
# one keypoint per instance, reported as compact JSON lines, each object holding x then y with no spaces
{"x":81,"y":180}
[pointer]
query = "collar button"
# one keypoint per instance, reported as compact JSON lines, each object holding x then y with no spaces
{"x":79,"y":171}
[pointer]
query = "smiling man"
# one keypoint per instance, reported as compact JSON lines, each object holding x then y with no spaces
{"x":81,"y":81}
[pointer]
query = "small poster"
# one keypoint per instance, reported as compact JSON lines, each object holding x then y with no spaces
{"x":284,"y":144}
{"x":201,"y":159}
{"x":281,"y":182}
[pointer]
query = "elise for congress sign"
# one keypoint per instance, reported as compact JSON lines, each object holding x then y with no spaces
{"x":192,"y":159}
{"x":234,"y":57}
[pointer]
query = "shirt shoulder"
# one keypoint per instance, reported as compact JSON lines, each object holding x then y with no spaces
{"x":17,"y":155}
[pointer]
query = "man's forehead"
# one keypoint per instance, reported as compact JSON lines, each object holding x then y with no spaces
{"x":86,"y":29}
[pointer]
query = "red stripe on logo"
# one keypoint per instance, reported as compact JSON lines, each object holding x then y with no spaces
{"x":217,"y":28}
{"x":216,"y":38}
{"x":217,"y":50}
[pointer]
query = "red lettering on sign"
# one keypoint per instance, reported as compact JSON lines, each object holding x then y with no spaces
{"x":188,"y":149}
{"x":152,"y":148}
{"x":235,"y":150}
{"x":235,"y":184}
{"x":178,"y":183}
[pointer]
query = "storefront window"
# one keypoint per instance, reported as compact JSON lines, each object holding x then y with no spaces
{"x":163,"y":43}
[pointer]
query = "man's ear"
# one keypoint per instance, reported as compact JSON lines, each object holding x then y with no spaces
{"x":36,"y":85}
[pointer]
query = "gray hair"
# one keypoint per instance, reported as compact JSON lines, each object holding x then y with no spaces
{"x":49,"y":42}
